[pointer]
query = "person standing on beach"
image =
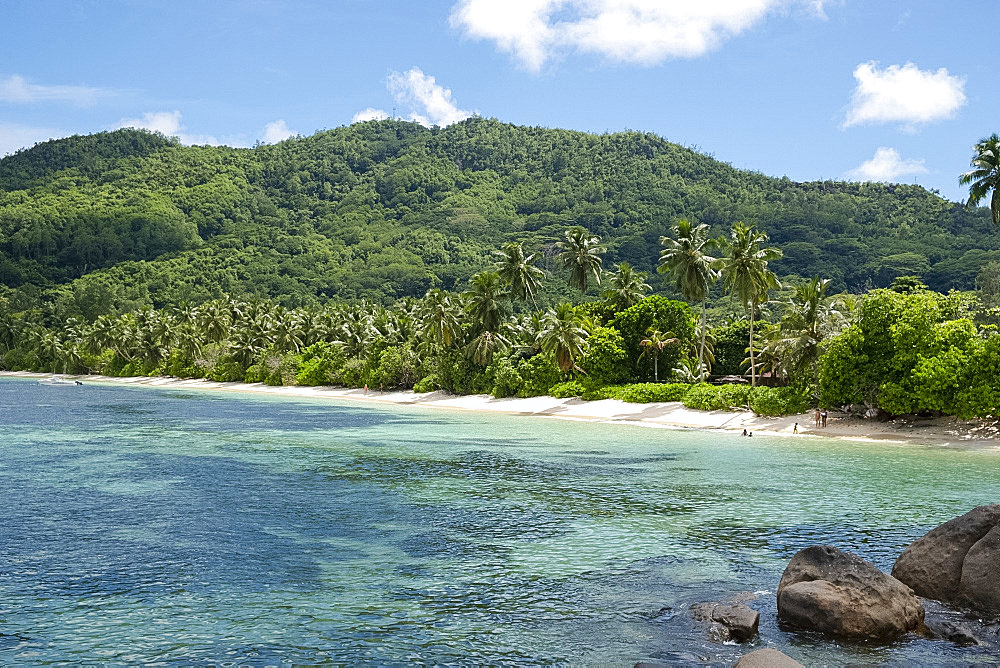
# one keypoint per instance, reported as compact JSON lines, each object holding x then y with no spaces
{"x":823,"y":417}
{"x":816,"y":417}
{"x":795,"y":429}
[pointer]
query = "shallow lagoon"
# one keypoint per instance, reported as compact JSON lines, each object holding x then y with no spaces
{"x":144,"y":525}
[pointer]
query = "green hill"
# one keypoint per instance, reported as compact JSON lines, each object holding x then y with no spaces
{"x":386,"y":209}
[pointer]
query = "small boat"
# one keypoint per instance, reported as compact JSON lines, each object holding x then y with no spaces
{"x":59,"y":381}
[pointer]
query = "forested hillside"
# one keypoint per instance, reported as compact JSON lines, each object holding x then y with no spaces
{"x":387,"y":209}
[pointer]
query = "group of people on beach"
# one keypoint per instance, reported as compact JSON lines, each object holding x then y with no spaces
{"x":819,"y":417}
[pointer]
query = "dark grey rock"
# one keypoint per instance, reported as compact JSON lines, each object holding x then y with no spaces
{"x":828,"y":590}
{"x":956,"y":562}
{"x":958,"y":633}
{"x":730,"y":621}
{"x":979,"y":588}
{"x":767,"y":658}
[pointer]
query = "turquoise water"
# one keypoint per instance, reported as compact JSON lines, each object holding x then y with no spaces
{"x":161,"y":526}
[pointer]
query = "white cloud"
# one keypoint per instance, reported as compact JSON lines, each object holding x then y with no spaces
{"x":430,"y":103}
{"x":903,"y":94}
{"x":18,"y":90}
{"x":369,"y":114}
{"x":169,"y":124}
{"x":14,"y":137}
{"x":276,"y":131}
{"x":885,"y":166}
{"x":644,"y":32}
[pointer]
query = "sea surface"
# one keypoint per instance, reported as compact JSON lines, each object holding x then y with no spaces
{"x":166,"y":527}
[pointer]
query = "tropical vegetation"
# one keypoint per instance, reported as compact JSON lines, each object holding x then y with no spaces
{"x":473,"y":259}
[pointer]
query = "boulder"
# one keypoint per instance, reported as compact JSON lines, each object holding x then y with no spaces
{"x":956,"y":562}
{"x":767,"y":658}
{"x":958,"y":633}
{"x":826,"y":589}
{"x":730,"y":621}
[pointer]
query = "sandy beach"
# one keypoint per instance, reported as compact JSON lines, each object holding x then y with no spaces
{"x":943,"y":432}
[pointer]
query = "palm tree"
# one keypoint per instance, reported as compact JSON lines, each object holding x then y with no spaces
{"x":519,"y":271}
{"x":564,"y":336}
{"x":686,"y":257}
{"x":689,"y":370}
{"x":653,"y":344}
{"x":482,"y":348}
{"x":809,"y":319}
{"x":626,"y":287}
{"x":581,"y":254}
{"x":213,"y":319}
{"x":439,"y":318}
{"x":745,"y":274}
{"x":356,"y":332}
{"x":50,"y":347}
{"x":484,"y":302}
{"x":985,"y":176}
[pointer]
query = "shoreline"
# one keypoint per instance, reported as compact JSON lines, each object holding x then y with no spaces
{"x":940,"y":432}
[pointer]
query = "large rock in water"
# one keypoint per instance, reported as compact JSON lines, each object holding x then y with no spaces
{"x":767,"y":658}
{"x":730,"y":621}
{"x":957,"y":562}
{"x":826,"y":589}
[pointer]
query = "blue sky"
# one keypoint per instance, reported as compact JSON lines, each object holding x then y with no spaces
{"x":810,"y":89}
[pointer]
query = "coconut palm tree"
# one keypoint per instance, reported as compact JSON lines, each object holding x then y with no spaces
{"x":985,"y":175}
{"x":439,"y":315}
{"x":213,"y":320}
{"x":810,"y":318}
{"x":686,"y":257}
{"x":519,"y":272}
{"x":482,"y":349}
{"x":581,"y":254}
{"x":626,"y":287}
{"x":564,"y":336}
{"x":484,"y":300}
{"x":653,"y":344}
{"x":745,"y":274}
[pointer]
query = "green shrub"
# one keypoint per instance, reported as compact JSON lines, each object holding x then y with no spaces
{"x":506,"y":380}
{"x":603,"y":392}
{"x":133,"y":368}
{"x":353,"y":374}
{"x":568,"y":390}
{"x":227,"y":370}
{"x":315,"y":371}
{"x":254,"y":374}
{"x":538,"y":374}
{"x":426,"y":384}
{"x":18,"y":359}
{"x":778,"y":401}
{"x":396,"y":368}
{"x":705,"y":397}
{"x":459,"y":375}
{"x":735,"y":395}
{"x":319,"y":364}
{"x":644,"y":393}
{"x":606,"y":362}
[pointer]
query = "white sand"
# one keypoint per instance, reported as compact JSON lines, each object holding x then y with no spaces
{"x":929,"y":431}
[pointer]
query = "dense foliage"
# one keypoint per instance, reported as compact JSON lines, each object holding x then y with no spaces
{"x":915,"y":352}
{"x":395,"y":256}
{"x":388,"y":209}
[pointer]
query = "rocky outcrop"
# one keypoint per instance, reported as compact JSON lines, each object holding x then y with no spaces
{"x":729,"y":621}
{"x":767,"y":658}
{"x":957,"y":562}
{"x":828,"y":590}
